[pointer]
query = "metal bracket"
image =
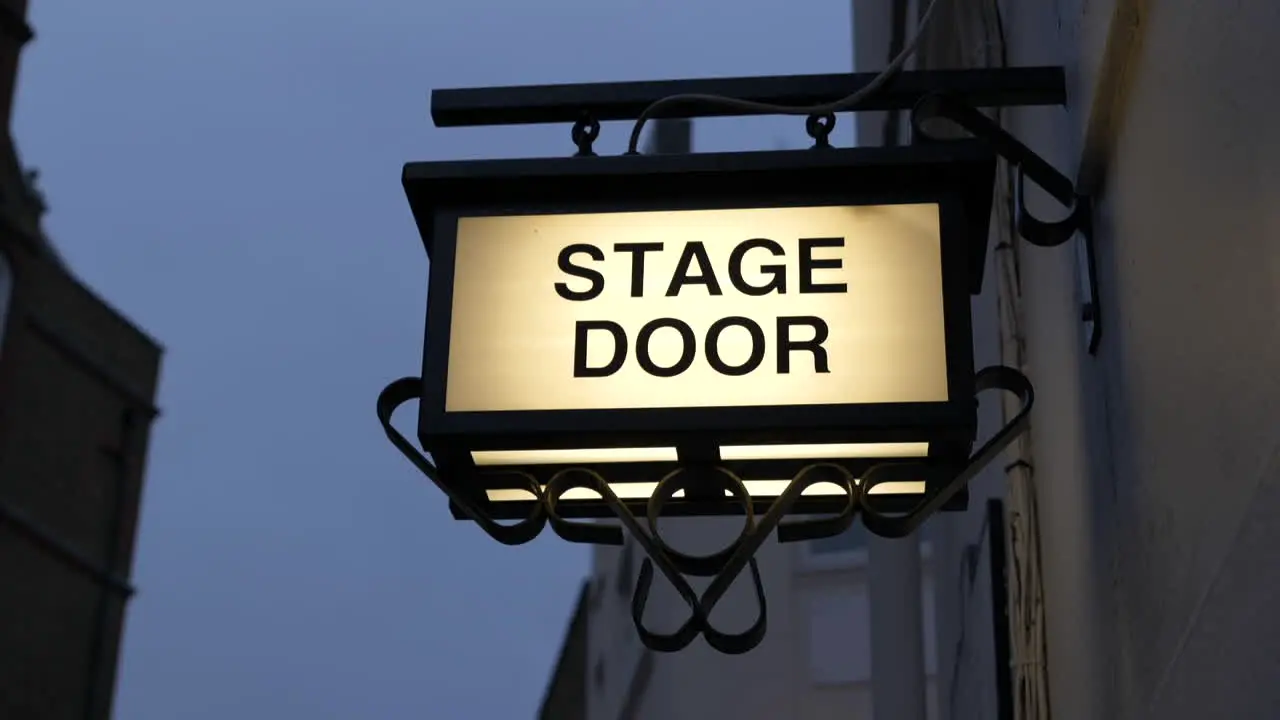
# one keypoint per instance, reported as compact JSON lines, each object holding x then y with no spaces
{"x":549,"y":104}
{"x":725,"y":566}
{"x":1028,"y":165}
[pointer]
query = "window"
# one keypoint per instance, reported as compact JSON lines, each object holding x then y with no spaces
{"x":840,"y":636}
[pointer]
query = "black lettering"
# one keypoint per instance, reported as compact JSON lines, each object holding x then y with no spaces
{"x":777,"y":273}
{"x":581,"y":333}
{"x":786,"y":345}
{"x":706,"y":275}
{"x":689,"y":342}
{"x":808,"y":263}
{"x":713,"y":346}
{"x":637,"y":251}
{"x":567,"y":267}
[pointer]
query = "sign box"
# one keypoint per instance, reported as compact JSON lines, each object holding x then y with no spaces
{"x":760,"y":311}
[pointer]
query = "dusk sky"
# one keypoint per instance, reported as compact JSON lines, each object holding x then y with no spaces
{"x":227,"y":174}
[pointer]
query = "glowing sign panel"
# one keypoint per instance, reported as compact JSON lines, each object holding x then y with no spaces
{"x":700,"y":308}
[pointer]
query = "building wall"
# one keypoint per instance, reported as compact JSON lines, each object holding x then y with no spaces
{"x":807,"y":601}
{"x":1157,"y":461}
{"x":1191,"y":258}
{"x":697,"y":680}
{"x":77,"y":383}
{"x":566,"y":696}
{"x":832,"y":606}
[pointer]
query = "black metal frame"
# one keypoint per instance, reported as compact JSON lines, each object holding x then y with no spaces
{"x":551,"y":104}
{"x":956,"y":176}
{"x":441,"y":192}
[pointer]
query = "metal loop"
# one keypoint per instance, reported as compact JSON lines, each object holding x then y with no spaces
{"x":665,"y":642}
{"x":680,"y":479}
{"x":738,"y":643}
{"x":578,"y":532}
{"x":741,"y":555}
{"x":583,"y":532}
{"x":819,"y":127}
{"x":584,"y":134}
{"x":409,"y":388}
{"x":1043,"y":233}
{"x":817,"y":528}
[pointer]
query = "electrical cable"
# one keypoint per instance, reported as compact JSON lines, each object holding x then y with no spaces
{"x":849,"y":102}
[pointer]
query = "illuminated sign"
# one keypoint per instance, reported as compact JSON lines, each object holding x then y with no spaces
{"x":697,"y":308}
{"x":758,"y":312}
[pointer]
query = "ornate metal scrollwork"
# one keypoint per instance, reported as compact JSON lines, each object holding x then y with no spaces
{"x":725,"y":566}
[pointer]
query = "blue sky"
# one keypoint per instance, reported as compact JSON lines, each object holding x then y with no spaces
{"x":227,"y":174}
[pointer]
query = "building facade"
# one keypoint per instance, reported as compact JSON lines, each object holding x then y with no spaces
{"x":77,"y":389}
{"x":566,"y":696}
{"x":1139,"y":509}
{"x":815,"y":661}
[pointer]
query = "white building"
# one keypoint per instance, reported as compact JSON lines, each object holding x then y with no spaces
{"x":1154,"y":463}
{"x":815,"y":661}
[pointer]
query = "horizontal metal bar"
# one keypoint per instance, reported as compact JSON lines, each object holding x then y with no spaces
{"x":537,"y":104}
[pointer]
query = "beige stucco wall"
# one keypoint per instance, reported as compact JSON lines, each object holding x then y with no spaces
{"x":1158,"y":460}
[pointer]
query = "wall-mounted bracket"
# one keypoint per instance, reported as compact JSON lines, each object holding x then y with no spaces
{"x":1028,"y":165}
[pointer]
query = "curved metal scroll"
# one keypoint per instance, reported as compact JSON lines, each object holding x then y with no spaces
{"x":991,"y":378}
{"x":410,"y":388}
{"x":726,"y":565}
{"x":1029,"y":165}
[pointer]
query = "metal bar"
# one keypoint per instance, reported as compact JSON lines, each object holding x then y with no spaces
{"x":540,"y":104}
